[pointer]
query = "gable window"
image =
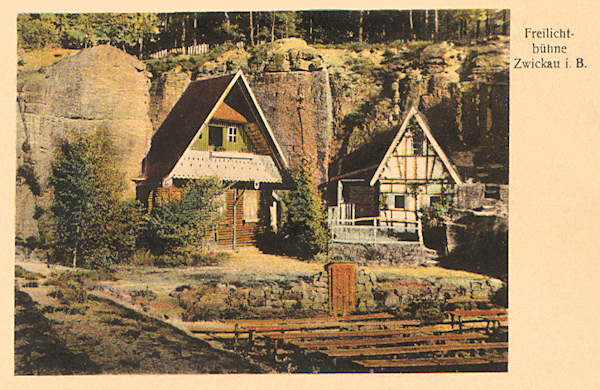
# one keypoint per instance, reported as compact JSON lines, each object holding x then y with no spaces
{"x":251,"y":205}
{"x":215,"y":136}
{"x":417,"y":143}
{"x":399,"y":201}
{"x":231,"y":134}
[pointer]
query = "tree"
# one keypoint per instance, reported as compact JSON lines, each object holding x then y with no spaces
{"x":93,"y":227}
{"x":306,"y":222}
{"x":37,"y":31}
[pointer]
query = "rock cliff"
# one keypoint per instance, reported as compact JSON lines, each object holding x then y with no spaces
{"x":97,"y":88}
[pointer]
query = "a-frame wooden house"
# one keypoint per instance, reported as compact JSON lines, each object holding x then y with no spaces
{"x":218,"y":129}
{"x":381,"y":186}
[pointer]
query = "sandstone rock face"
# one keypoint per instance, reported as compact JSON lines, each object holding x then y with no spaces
{"x":164,"y":93}
{"x":297,"y":106}
{"x":98,"y":88}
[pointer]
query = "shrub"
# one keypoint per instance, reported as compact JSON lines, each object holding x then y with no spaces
{"x":145,"y":293}
{"x":21,"y":272}
{"x":275,"y":63}
{"x":180,"y":227}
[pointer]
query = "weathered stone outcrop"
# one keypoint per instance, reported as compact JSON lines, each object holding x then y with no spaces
{"x":164,"y":93}
{"x":297,"y":106}
{"x":98,"y":88}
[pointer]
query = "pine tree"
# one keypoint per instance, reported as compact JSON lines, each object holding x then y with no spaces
{"x":306,"y":223}
{"x":93,"y":227}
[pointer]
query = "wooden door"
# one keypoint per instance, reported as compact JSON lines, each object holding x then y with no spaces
{"x":342,"y":288}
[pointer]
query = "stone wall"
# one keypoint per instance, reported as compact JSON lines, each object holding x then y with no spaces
{"x":402,"y":254}
{"x":309,"y":296}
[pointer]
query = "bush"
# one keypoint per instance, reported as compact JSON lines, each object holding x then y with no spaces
{"x":180,"y":227}
{"x":275,"y":63}
{"x":21,"y":272}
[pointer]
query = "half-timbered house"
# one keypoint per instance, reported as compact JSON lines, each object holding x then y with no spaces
{"x":218,"y":129}
{"x":382,"y":186}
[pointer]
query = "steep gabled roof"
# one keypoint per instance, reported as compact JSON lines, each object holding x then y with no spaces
{"x":422,"y":121}
{"x":368,"y":161}
{"x":199,"y":103}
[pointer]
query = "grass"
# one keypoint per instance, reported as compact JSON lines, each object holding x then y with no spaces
{"x":37,"y":59}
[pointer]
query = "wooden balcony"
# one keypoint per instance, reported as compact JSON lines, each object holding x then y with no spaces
{"x":345,"y":227}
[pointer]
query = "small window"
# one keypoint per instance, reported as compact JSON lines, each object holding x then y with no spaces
{"x":433,"y":199}
{"x":417,"y":142}
{"x":232,"y":134}
{"x":399,"y":201}
{"x":215,"y":136}
{"x":492,"y":191}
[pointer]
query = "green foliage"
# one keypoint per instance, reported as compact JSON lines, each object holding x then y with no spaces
{"x":306,"y":222}
{"x":128,"y":31}
{"x":180,"y":227}
{"x":21,"y":272}
{"x":37,"y":31}
{"x":70,"y":293}
{"x":434,"y":213}
{"x":92,"y":226}
{"x":275,"y":63}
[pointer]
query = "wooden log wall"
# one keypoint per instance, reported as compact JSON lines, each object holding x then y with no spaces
{"x":245,"y":231}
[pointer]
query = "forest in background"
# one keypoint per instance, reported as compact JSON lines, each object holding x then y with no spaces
{"x":142,"y":34}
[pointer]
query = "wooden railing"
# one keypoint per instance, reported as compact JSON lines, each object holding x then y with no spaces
{"x":346,"y":228}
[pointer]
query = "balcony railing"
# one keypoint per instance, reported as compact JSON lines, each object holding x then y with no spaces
{"x":346,"y":228}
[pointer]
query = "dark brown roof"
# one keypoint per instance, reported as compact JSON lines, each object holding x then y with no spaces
{"x":363,"y":162}
{"x":181,"y":125}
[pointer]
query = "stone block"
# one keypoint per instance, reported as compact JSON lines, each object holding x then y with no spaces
{"x":290,"y":303}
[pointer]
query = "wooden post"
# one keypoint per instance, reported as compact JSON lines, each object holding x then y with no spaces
{"x":234,"y":215}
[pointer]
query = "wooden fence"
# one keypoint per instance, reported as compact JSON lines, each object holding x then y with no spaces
{"x":346,"y":228}
{"x":189,"y":50}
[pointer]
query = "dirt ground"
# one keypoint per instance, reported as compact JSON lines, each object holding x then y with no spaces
{"x":108,"y":339}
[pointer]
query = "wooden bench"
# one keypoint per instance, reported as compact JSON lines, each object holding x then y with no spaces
{"x":371,"y":342}
{"x":287,"y":321}
{"x":458,"y":316}
{"x":355,"y":333}
{"x":420,"y":349}
{"x":274,"y":341}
